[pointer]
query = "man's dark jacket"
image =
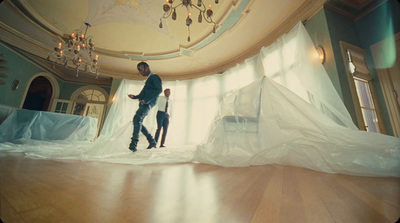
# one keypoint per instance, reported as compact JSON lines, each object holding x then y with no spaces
{"x":151,"y":90}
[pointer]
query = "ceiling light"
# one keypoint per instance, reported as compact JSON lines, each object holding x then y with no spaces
{"x":77,"y":52}
{"x":170,"y":9}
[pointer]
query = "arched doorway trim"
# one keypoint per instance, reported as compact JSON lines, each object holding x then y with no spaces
{"x":99,"y":104}
{"x":77,"y":92}
{"x":53,"y":82}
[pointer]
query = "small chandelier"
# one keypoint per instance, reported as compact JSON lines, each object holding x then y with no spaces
{"x":169,"y":10}
{"x":77,"y":53}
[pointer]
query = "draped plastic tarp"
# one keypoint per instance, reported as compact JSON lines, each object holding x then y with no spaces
{"x":294,"y":116}
{"x":292,"y":132}
{"x":47,"y":126}
{"x":290,"y":115}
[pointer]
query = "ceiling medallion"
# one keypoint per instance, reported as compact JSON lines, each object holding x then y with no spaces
{"x":170,"y":9}
{"x":77,"y":52}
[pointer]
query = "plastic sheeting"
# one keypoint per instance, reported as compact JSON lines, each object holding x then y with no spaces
{"x":294,"y":116}
{"x":5,"y":111}
{"x":268,"y":124}
{"x":47,"y":126}
{"x":291,"y":115}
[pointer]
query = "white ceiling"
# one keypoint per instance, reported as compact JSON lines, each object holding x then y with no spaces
{"x":127,"y":31}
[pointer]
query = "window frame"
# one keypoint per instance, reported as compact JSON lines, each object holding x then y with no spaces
{"x":361,"y":73}
{"x":67,"y":102}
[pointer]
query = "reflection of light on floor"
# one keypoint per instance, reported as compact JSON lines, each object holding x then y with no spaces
{"x":181,"y":196}
{"x":127,"y":184}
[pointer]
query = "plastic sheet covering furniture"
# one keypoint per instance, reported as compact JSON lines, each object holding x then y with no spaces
{"x":5,"y":111}
{"x":46,"y":126}
{"x":243,"y":118}
{"x":293,"y":132}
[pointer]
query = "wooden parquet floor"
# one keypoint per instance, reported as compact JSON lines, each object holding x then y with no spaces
{"x":46,"y":190}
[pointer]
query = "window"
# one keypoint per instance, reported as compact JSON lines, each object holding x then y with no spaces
{"x":366,"y":105}
{"x":362,"y":89}
{"x":61,"y":106}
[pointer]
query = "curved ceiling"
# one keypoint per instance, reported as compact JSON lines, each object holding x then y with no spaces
{"x":126,"y":32}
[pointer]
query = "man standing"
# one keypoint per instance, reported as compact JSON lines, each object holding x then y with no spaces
{"x":147,"y":99}
{"x":163,"y":114}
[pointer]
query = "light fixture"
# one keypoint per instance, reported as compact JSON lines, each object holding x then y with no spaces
{"x":78,"y":53}
{"x":170,"y":9}
{"x":352,"y":68}
{"x":321,"y":54}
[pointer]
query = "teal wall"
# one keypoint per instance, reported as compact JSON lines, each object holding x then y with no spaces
{"x":380,"y":24}
{"x":327,"y":28}
{"x":342,"y":28}
{"x":22,"y":70}
{"x":318,"y":30}
{"x":376,"y":26}
{"x":69,"y":88}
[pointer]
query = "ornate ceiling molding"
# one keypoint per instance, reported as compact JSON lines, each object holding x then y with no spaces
{"x":303,"y":13}
{"x":121,"y":64}
{"x":230,"y":17}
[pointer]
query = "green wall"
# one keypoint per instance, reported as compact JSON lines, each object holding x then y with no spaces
{"x":342,"y":28}
{"x":22,"y":70}
{"x":327,"y":28}
{"x":376,"y":26}
{"x":379,"y":24}
{"x":318,"y":30}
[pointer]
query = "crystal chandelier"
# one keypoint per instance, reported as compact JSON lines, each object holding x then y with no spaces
{"x":77,"y":53}
{"x":170,"y":9}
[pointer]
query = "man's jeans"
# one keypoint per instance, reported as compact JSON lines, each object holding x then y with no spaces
{"x":141,"y":113}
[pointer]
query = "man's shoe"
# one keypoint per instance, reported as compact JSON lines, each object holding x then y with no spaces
{"x":162,"y":146}
{"x":132,"y":146}
{"x":152,"y":145}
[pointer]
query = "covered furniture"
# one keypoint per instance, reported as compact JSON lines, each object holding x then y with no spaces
{"x":5,"y":111}
{"x":47,"y":126}
{"x":243,"y":116}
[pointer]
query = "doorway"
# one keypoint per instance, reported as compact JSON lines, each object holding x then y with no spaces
{"x":39,"y":95}
{"x":90,"y":101}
